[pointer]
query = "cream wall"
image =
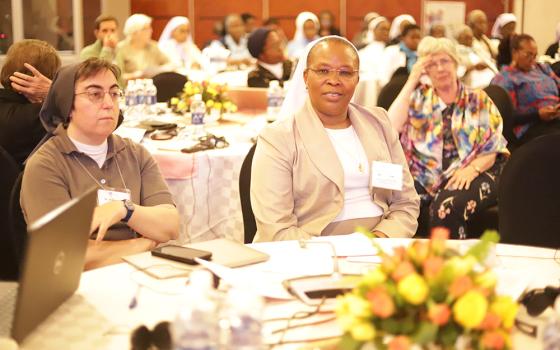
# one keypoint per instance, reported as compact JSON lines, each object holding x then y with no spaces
{"x":539,"y":19}
{"x":120,"y":9}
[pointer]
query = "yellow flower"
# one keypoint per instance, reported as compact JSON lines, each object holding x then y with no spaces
{"x":363,"y":331}
{"x":181,"y":105}
{"x":506,"y":308}
{"x":227,"y":104}
{"x":209,"y":103}
{"x":174,"y":100}
{"x":212,"y":91}
{"x":196,"y":90}
{"x":217,"y":105}
{"x":373,"y":278}
{"x":462,"y":265}
{"x":349,"y":309}
{"x":486,"y":280}
{"x":188,"y":90}
{"x":413,"y":288}
{"x":233,"y":108}
{"x":470,"y":309}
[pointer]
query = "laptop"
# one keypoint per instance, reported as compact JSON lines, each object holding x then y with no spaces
{"x":52,"y":266}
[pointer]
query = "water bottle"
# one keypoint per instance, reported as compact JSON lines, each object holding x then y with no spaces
{"x":196,"y":325}
{"x":275,"y":96}
{"x":241,"y":320}
{"x":551,"y":331}
{"x":130,"y":99}
{"x":198,"y":111}
{"x":140,"y":95}
{"x":151,"y":96}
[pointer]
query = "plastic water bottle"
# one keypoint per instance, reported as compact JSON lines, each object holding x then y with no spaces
{"x":551,"y":331}
{"x":275,"y":96}
{"x":198,"y":111}
{"x":241,"y":320}
{"x":151,"y":96}
{"x":130,"y":99}
{"x":196,"y":325}
{"x":140,"y":95}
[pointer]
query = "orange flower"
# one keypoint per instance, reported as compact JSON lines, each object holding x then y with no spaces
{"x":439,"y":314}
{"x":403,"y":269}
{"x":399,"y":254}
{"x":419,"y":251}
{"x":493,"y":340}
{"x":440,"y":233}
{"x":400,"y":342}
{"x":432,"y":266}
{"x":460,"y":286}
{"x":490,"y":322}
{"x":382,"y":304}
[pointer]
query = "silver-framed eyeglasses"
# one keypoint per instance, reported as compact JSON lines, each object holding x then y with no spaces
{"x":96,"y":95}
{"x":345,"y":74}
{"x":443,"y":63}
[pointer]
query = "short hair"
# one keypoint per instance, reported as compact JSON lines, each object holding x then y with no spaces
{"x":135,"y":23}
{"x":336,"y":39}
{"x":430,"y":45}
{"x":409,"y":28}
{"x":104,"y":18}
{"x":93,"y":66}
{"x":271,"y":20}
{"x":37,"y":53}
{"x":473,"y":15}
{"x":517,"y":39}
{"x":245,"y":16}
{"x":462,"y":29}
{"x":228,"y":18}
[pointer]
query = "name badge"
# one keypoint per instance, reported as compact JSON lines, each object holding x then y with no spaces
{"x":386,"y":175}
{"x":111,"y":194}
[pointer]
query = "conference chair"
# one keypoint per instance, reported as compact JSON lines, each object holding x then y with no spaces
{"x":168,"y":85}
{"x":391,"y":90}
{"x":8,"y":176}
{"x":556,"y":68}
{"x":16,"y":222}
{"x":503,"y":102}
{"x":249,"y":223}
{"x":529,"y":194}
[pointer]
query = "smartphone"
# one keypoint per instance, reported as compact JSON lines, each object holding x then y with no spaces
{"x":181,"y":254}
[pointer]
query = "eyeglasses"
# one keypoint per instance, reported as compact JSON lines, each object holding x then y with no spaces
{"x":144,"y":339}
{"x":443,"y":63}
{"x":538,"y":300}
{"x":96,"y":95}
{"x":343,"y":74}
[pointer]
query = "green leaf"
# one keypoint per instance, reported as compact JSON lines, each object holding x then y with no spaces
{"x":390,"y":325}
{"x":481,"y":248}
{"x":347,"y":342}
{"x":449,"y":335}
{"x":425,"y":334}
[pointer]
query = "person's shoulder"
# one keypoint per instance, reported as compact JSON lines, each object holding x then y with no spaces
{"x":48,"y":155}
{"x":280,"y":129}
{"x":372,"y":114}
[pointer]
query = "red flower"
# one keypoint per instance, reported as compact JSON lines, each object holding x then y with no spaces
{"x":439,"y":314}
{"x":490,"y":322}
{"x":382,"y":304}
{"x":460,"y":286}
{"x":403,"y":269}
{"x":400,"y":342}
{"x":493,"y":340}
{"x":432,"y":266}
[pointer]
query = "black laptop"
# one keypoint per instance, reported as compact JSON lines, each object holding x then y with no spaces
{"x":52,"y":266}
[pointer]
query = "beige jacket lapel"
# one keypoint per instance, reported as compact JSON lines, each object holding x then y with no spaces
{"x":318,"y":145}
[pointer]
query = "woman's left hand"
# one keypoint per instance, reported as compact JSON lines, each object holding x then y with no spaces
{"x":35,"y":88}
{"x":462,"y":178}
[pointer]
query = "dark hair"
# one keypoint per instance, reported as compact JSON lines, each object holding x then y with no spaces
{"x":409,"y":28}
{"x":336,"y":39}
{"x":271,"y":20}
{"x":93,"y":66}
{"x":37,"y":53}
{"x":247,"y":16}
{"x":104,"y":18}
{"x":517,"y":39}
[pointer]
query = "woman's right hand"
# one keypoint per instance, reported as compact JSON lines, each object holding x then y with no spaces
{"x":547,"y":113}
{"x":418,"y":69}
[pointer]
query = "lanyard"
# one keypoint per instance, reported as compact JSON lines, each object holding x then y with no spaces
{"x":93,"y":178}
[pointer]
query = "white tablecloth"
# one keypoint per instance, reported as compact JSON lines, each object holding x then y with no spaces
{"x":110,"y":290}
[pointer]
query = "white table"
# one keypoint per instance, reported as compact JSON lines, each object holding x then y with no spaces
{"x":110,"y":290}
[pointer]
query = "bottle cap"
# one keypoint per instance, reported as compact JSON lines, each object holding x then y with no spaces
{"x":198,"y":97}
{"x":274,"y":83}
{"x":201,"y":279}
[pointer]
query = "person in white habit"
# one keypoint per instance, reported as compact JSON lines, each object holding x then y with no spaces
{"x":176,"y":42}
{"x":307,"y":30}
{"x":475,"y":70}
{"x":397,"y":27}
{"x":370,"y":56}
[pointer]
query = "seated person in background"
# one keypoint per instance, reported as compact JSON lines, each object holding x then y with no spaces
{"x":273,"y":23}
{"x":176,"y":42}
{"x":326,"y":24}
{"x":106,"y":39}
{"x":401,"y":55}
{"x":370,"y":56}
{"x":477,"y":70}
{"x":360,"y":39}
{"x":138,"y":56}
{"x":307,"y":30}
{"x":311,"y":169}
{"x":477,"y":20}
{"x":554,"y":49}
{"x":437,"y":30}
{"x":452,"y":139}
{"x":249,"y":22}
{"x":265,"y":45}
{"x":234,"y":40}
{"x":81,"y":112}
{"x":26,"y":76}
{"x":397,"y":27}
{"x":533,"y":88}
{"x":502,"y":31}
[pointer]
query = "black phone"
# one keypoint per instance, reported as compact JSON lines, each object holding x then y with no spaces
{"x":181,"y":254}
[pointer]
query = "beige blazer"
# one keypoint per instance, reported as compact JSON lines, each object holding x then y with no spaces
{"x":297,"y":182}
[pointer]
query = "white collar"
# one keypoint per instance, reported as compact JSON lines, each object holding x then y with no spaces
{"x":277,"y":69}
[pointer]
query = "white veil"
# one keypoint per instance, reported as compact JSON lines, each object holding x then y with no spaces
{"x":371,"y":27}
{"x":297,"y":92}
{"x":501,"y":21}
{"x":395,"y":30}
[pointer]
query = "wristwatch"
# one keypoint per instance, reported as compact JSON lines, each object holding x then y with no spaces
{"x":129,"y":206}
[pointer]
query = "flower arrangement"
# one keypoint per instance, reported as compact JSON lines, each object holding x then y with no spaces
{"x":429,"y":296}
{"x":214,"y":95}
